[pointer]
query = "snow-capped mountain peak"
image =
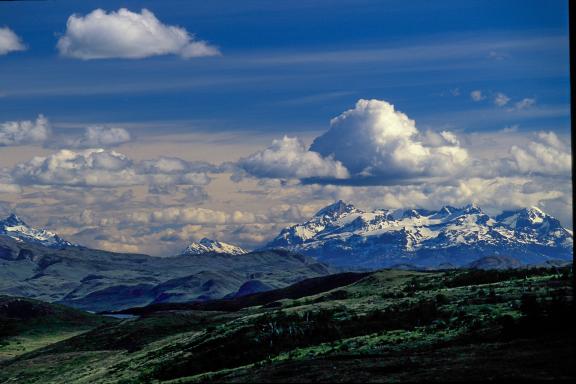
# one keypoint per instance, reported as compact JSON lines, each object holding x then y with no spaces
{"x":17,"y":229}
{"x":336,"y":209}
{"x":525,"y":217}
{"x":344,"y":235}
{"x":212,"y":246}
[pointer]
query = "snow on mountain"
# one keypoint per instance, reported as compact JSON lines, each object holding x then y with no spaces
{"x":344,"y":235}
{"x":212,"y":246}
{"x":17,"y":229}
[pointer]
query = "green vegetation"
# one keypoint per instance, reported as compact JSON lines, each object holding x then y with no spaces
{"x":389,"y":326}
{"x":27,"y":324}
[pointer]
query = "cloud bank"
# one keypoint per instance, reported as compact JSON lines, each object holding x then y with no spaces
{"x":127,"y":35}
{"x":105,"y":168}
{"x":546,"y":155}
{"x":10,"y":42}
{"x":14,"y":133}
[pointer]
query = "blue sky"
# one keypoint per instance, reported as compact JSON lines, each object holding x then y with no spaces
{"x":254,"y":114}
{"x":291,"y":67}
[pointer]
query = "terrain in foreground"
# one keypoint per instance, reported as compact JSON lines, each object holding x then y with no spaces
{"x":386,"y":326}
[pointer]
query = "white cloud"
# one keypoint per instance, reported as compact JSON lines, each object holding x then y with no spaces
{"x":24,"y":132}
{"x":546,"y":155}
{"x":91,"y":167}
{"x":374,"y":139}
{"x":289,"y":158}
{"x":525,"y":103}
{"x":501,"y":99}
{"x":104,"y":168}
{"x":100,"y":137}
{"x":128,"y":35}
{"x":477,"y":95}
{"x":10,"y":42}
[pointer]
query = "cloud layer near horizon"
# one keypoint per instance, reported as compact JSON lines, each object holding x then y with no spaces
{"x":374,"y":144}
{"x":127,"y":35}
{"x":372,"y":155}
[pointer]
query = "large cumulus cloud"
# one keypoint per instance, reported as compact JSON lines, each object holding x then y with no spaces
{"x":128,"y":35}
{"x":373,"y":139}
{"x":24,"y":132}
{"x":371,"y":143}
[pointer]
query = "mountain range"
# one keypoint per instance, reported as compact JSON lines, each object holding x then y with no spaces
{"x":345,"y":236}
{"x":39,"y":264}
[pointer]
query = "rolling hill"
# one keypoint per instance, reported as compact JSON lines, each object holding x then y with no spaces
{"x":390,"y":325}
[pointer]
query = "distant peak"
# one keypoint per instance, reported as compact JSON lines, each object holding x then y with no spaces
{"x":13,"y":219}
{"x":206,"y":245}
{"x":15,"y":227}
{"x":336,"y":208}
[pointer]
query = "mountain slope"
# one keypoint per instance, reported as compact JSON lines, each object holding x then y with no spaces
{"x":344,"y":235}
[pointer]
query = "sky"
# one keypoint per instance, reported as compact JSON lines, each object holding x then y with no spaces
{"x":141,"y":126}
